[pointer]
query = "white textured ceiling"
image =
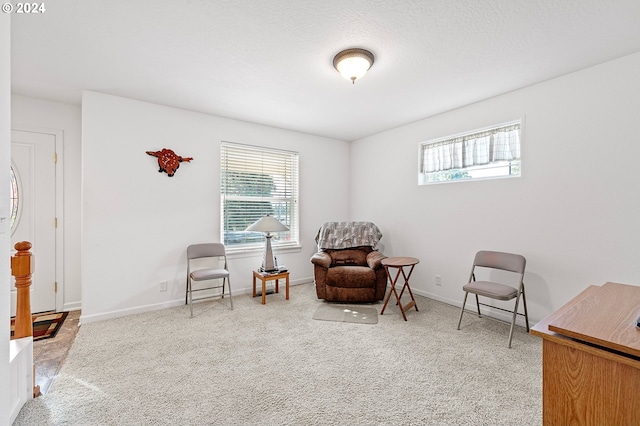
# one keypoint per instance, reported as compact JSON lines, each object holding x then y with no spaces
{"x":270,"y":61}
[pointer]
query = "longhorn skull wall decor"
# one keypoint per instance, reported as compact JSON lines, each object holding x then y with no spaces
{"x":168,"y":161}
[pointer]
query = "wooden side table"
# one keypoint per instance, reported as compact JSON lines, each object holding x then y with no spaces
{"x":264,"y":277}
{"x":400,"y":263}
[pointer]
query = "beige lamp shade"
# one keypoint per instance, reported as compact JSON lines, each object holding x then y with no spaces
{"x":267,"y":224}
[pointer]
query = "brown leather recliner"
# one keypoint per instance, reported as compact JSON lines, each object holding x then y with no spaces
{"x":351,"y":274}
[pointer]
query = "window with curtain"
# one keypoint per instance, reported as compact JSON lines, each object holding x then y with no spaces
{"x":487,"y":153}
{"x":254,"y":182}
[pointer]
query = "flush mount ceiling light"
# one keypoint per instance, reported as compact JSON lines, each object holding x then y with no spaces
{"x":353,"y":64}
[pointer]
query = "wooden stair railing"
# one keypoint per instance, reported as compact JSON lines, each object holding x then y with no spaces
{"x":21,"y":269}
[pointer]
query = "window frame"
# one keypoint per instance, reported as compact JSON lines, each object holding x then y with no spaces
{"x":15,"y":202}
{"x":290,"y":197}
{"x":424,"y":177}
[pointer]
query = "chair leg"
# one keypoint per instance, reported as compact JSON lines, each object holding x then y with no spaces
{"x":464,"y":302}
{"x":478,"y":305}
{"x":513,"y":321}
{"x":524,"y":304}
{"x":190,"y":299}
{"x":229,"y":284}
{"x":186,"y":291}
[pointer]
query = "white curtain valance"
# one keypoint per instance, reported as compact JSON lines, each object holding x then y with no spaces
{"x":498,"y":144}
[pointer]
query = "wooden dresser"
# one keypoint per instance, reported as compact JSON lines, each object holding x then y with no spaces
{"x":591,"y":358}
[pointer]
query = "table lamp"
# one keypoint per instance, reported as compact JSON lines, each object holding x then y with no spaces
{"x":268,"y":224}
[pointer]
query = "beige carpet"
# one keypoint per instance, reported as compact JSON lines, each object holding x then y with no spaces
{"x":274,"y":365}
{"x":346,"y":313}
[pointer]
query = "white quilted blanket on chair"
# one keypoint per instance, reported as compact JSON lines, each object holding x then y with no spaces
{"x":341,"y":235}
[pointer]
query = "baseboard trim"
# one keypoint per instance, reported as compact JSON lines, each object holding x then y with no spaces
{"x":72,"y":306}
{"x":471,"y":307}
{"x":487,"y":311}
{"x":87,"y":319}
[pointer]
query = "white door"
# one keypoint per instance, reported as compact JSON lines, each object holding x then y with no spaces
{"x":33,"y":163}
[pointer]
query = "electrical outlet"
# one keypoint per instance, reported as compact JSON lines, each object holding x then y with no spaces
{"x":438,"y":280}
{"x":163,"y":286}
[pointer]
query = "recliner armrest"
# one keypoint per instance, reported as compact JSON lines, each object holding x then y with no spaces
{"x":374,"y":259}
{"x":321,"y":259}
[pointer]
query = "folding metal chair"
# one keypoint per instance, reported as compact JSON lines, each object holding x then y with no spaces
{"x":207,"y":250}
{"x":503,"y":261}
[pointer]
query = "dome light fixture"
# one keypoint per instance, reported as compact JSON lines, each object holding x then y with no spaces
{"x":353,"y":64}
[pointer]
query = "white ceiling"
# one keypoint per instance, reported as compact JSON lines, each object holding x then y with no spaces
{"x":270,"y":61}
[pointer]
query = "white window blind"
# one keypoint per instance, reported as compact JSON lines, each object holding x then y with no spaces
{"x":492,"y":152}
{"x":254,"y":182}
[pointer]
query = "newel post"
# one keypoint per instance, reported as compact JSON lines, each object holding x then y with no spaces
{"x":21,"y":269}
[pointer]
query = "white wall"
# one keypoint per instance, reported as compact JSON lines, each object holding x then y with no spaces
{"x":30,"y":114}
{"x":5,"y":239}
{"x":574,"y":213}
{"x":136,"y":222}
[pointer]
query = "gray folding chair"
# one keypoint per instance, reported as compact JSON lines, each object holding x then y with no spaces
{"x":506,"y":262}
{"x":207,"y":250}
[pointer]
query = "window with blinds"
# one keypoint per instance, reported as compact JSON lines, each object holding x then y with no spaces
{"x":489,"y":153}
{"x":254,"y":182}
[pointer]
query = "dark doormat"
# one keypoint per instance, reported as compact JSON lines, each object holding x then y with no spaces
{"x":45,"y":324}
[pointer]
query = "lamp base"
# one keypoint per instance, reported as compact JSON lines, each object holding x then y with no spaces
{"x":268,"y":261}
